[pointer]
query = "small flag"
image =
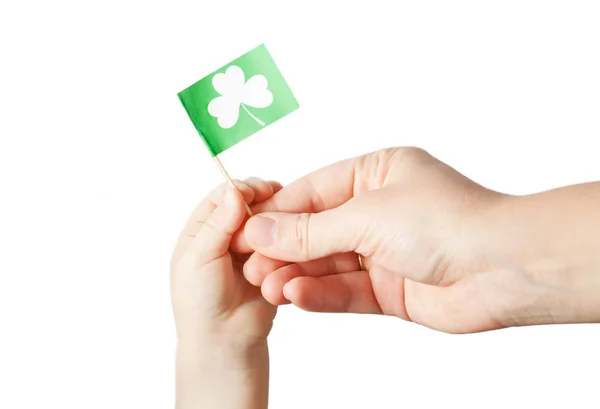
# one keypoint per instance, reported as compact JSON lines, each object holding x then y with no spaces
{"x":238,"y":100}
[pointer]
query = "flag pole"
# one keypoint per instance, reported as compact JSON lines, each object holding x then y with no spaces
{"x":230,"y":181}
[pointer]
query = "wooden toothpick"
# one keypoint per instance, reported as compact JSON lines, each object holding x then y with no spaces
{"x":230,"y":181}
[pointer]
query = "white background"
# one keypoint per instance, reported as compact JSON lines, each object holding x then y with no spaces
{"x":100,"y":166}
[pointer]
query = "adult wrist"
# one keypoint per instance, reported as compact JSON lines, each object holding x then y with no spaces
{"x":554,"y":271}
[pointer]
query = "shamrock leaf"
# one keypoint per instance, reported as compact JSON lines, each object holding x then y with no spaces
{"x":234,"y":92}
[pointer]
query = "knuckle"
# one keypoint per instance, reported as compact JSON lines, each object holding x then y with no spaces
{"x":411,"y":154}
{"x":212,"y":223}
{"x":380,"y":164}
{"x":216,"y":224}
{"x":302,"y":233}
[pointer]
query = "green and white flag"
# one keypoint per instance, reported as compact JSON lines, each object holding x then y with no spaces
{"x":238,"y":100}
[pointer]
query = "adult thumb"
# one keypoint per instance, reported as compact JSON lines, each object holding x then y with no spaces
{"x":307,"y":236}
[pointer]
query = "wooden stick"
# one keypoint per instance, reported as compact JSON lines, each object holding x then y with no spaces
{"x":230,"y":181}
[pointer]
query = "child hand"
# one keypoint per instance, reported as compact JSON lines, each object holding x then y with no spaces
{"x":222,"y":320}
{"x":210,"y":296}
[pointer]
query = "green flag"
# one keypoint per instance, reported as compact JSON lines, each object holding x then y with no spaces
{"x":238,"y":100}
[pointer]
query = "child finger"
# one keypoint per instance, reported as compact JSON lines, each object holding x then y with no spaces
{"x":275,"y":185}
{"x":211,"y":201}
{"x":262,"y":189}
{"x":206,"y":207}
{"x":214,"y":237}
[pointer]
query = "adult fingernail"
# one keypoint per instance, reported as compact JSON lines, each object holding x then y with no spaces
{"x":261,"y":231}
{"x":286,"y":291}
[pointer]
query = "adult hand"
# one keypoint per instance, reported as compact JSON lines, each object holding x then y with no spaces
{"x":440,"y":249}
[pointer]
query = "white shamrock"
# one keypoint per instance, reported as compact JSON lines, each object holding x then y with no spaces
{"x":236,"y":92}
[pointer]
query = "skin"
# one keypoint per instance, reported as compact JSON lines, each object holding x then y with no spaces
{"x":222,"y":320}
{"x":440,"y":249}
